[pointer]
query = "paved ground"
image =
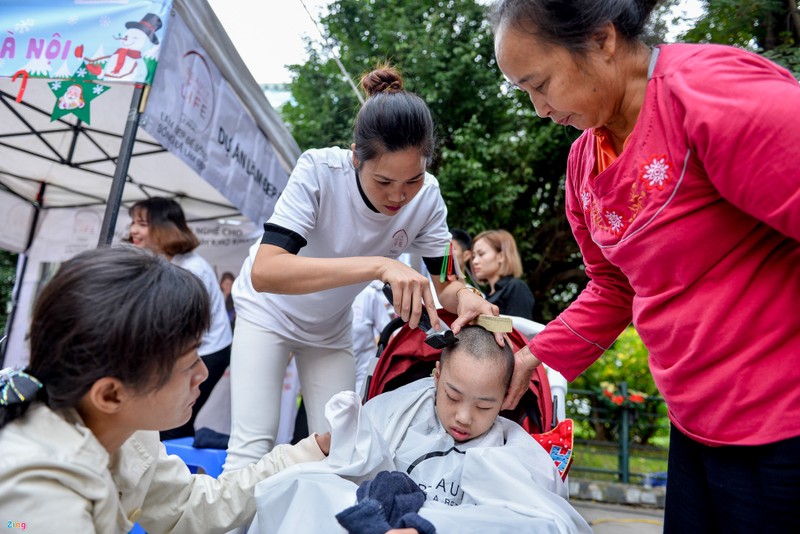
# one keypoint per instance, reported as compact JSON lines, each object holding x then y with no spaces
{"x":607,"y":518}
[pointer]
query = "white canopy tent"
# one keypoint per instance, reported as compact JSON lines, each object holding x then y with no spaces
{"x":209,"y":139}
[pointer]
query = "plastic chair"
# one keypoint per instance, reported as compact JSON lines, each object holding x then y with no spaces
{"x":210,"y":460}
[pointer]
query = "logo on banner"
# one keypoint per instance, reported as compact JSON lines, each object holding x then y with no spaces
{"x":197,"y":92}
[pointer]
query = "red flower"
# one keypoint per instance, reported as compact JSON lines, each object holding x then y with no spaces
{"x":635,"y":397}
{"x":617,"y":399}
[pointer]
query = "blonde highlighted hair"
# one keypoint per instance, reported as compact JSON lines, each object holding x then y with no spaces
{"x":503,"y":244}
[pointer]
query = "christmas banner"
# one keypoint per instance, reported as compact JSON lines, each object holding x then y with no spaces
{"x":194,"y":112}
{"x":113,"y":40}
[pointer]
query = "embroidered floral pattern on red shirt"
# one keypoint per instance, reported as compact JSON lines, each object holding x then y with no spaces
{"x":586,"y":199}
{"x":653,"y":175}
{"x":656,"y":173}
{"x":615,"y":222}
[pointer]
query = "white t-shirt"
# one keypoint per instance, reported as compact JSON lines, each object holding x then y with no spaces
{"x":219,"y":334}
{"x":322,"y":204}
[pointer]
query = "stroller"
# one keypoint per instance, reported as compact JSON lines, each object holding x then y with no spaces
{"x":404,"y":357}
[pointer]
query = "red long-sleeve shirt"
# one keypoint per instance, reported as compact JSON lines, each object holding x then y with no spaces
{"x":693,"y":234}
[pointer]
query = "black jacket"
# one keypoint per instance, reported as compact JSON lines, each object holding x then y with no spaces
{"x":513,"y":297}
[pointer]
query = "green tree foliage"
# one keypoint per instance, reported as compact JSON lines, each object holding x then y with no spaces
{"x":769,"y":27}
{"x":499,"y":165}
{"x":626,"y":360}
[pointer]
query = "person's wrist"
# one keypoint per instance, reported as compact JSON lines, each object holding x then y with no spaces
{"x":468,"y":288}
{"x":382,"y":265}
{"x":529,"y":359}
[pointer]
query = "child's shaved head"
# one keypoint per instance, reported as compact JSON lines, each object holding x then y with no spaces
{"x":479,"y":343}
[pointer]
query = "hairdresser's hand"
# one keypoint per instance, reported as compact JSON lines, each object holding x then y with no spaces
{"x":411,"y":291}
{"x":524,"y":364}
{"x":324,"y":442}
{"x":470,"y":306}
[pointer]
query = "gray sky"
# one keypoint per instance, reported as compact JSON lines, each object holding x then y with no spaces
{"x":269,"y":37}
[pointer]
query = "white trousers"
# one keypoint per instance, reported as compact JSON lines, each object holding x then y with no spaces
{"x":258,"y":365}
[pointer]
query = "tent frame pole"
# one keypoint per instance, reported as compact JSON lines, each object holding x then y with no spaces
{"x":121,"y":171}
{"x":22,"y":268}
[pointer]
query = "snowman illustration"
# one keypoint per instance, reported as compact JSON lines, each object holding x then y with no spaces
{"x":126,"y":60}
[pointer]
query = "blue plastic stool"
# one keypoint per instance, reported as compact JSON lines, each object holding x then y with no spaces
{"x":210,"y":460}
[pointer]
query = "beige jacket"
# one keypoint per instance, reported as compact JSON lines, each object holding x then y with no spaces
{"x":56,"y":477}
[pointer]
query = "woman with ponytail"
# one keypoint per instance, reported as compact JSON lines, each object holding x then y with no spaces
{"x":340,"y":223}
{"x":682,"y":193}
{"x":113,"y":359}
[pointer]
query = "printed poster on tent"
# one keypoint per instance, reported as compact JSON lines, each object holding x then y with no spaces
{"x":194,"y":113}
{"x":117,"y":41}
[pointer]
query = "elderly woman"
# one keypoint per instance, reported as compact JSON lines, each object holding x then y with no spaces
{"x":682,"y":193}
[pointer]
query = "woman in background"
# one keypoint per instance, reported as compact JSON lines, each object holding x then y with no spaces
{"x":496,"y":262}
{"x":159,"y":224}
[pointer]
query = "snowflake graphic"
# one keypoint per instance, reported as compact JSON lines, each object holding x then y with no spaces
{"x":614,"y":220}
{"x":72,"y":20}
{"x":80,"y":73}
{"x":98,"y":89}
{"x":655,"y":174}
{"x":105,"y":22}
{"x":24,"y":26}
{"x":56,"y":86}
{"x":585,"y":199}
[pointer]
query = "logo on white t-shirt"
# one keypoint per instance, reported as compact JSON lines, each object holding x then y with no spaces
{"x":399,"y":242}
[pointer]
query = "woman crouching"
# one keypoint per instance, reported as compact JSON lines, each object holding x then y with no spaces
{"x":113,"y":342}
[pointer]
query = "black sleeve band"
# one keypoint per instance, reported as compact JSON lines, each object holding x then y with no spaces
{"x":282,"y":237}
{"x":434,"y":265}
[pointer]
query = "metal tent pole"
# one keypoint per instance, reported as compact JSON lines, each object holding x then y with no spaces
{"x":121,"y":172}
{"x":22,"y":267}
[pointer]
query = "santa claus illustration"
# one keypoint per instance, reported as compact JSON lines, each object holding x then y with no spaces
{"x":125,"y":61}
{"x":72,"y":98}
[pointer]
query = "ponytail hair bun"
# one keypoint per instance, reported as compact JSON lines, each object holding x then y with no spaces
{"x":384,"y":78}
{"x":392,"y":119}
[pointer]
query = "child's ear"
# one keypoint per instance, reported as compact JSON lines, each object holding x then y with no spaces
{"x":436,"y":373}
{"x":107,"y":395}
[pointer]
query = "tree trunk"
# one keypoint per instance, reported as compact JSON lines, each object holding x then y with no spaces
{"x":794,"y":19}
